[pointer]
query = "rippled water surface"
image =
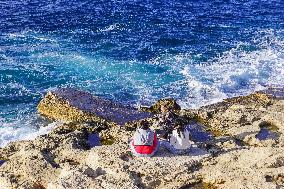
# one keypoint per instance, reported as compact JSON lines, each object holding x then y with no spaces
{"x":198,"y":52}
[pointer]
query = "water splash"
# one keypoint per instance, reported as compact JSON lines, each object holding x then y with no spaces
{"x":23,"y":128}
{"x":43,"y":62}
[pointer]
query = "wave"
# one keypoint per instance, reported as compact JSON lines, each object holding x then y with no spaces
{"x":247,"y":67}
{"x":236,"y":72}
{"x":21,"y":129}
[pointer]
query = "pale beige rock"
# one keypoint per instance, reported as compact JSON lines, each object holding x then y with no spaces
{"x":75,"y":177}
{"x":160,"y":171}
{"x":234,"y":158}
{"x":62,"y":159}
{"x":247,"y":168}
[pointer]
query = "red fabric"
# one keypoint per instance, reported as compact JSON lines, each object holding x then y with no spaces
{"x":146,"y":149}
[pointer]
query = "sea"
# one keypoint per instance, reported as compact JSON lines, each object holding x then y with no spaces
{"x":134,"y":52}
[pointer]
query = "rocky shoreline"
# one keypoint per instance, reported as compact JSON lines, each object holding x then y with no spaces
{"x":239,"y":144}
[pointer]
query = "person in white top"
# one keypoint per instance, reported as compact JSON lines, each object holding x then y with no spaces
{"x":165,"y":121}
{"x":179,"y":141}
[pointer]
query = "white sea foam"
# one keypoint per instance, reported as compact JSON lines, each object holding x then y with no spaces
{"x":112,"y":27}
{"x":235,"y":72}
{"x":29,"y":34}
{"x":9,"y":133}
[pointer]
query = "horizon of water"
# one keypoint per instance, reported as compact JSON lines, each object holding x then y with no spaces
{"x":134,"y":52}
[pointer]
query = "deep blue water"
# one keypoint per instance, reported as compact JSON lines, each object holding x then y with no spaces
{"x":198,"y":52}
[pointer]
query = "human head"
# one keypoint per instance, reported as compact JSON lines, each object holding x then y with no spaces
{"x":144,"y":124}
{"x":180,"y":128}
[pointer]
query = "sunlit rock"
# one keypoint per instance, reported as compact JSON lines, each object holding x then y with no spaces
{"x":71,"y":105}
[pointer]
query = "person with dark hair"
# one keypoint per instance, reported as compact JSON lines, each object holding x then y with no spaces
{"x":179,"y":141}
{"x":144,"y":142}
{"x":166,"y":120}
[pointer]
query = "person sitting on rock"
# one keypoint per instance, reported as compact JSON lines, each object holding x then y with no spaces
{"x":144,"y":142}
{"x":179,"y":141}
{"x":165,"y":121}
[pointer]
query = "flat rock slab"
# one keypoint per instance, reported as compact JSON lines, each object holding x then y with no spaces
{"x":68,"y":104}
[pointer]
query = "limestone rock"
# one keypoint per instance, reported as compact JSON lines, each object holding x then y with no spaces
{"x":246,"y":150}
{"x":63,"y":159}
{"x":164,"y":170}
{"x":249,"y":119}
{"x":76,"y":177}
{"x":37,"y":162}
{"x":70,"y":105}
{"x":246,"y":168}
{"x":156,"y":108}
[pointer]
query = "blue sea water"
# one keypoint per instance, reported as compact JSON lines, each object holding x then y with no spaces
{"x":134,"y":52}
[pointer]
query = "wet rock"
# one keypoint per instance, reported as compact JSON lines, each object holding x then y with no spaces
{"x":2,"y":162}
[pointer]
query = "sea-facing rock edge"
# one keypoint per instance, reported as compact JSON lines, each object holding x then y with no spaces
{"x":246,"y":150}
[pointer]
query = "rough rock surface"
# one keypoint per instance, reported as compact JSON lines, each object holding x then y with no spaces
{"x":64,"y":158}
{"x":169,"y":102}
{"x":244,"y":118}
{"x":71,"y":105}
{"x":245,"y":150}
{"x":254,"y":167}
{"x":249,"y":141}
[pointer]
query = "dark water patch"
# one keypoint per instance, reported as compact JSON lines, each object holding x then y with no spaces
{"x":94,"y":140}
{"x":170,"y":42}
{"x":265,"y":134}
{"x":267,"y":131}
{"x":2,"y":162}
{"x":240,"y":142}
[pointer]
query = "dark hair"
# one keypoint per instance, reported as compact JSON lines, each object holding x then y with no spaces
{"x":180,"y":129}
{"x":144,"y":124}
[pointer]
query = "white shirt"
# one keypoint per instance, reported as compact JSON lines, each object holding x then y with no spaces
{"x":180,"y":142}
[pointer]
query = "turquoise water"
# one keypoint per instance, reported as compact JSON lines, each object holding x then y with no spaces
{"x":134,"y":52}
